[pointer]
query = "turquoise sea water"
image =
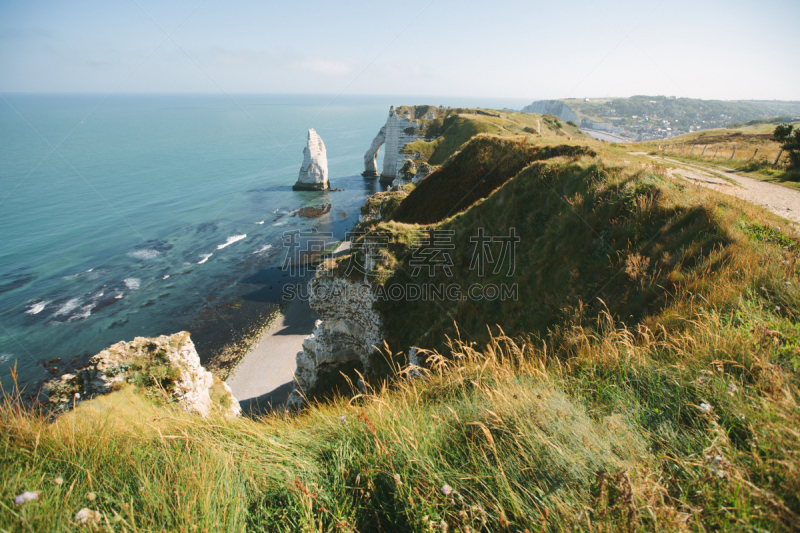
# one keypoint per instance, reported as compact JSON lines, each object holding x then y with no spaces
{"x":154,"y":211}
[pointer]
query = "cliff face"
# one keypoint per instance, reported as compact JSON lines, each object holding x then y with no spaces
{"x":552,"y":107}
{"x":343,"y":340}
{"x":371,"y":157}
{"x":314,"y":171}
{"x":395,"y":135}
{"x":168,"y":362}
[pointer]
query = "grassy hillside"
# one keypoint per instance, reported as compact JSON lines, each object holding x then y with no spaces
{"x":644,"y":379}
{"x":482,"y":166}
{"x":747,"y":148}
{"x":453,"y":127}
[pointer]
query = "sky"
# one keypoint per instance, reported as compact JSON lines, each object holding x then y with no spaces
{"x":517,"y":49}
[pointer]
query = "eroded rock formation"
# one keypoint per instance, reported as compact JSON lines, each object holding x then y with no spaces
{"x":168,"y":362}
{"x":371,"y":157}
{"x":394,"y":135}
{"x":343,"y":341}
{"x":314,"y":171}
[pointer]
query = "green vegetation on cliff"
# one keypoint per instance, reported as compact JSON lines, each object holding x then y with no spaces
{"x":687,"y":111}
{"x":751,"y":149}
{"x":645,"y":378}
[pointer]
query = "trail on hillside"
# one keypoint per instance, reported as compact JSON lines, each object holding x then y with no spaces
{"x":782,"y":201}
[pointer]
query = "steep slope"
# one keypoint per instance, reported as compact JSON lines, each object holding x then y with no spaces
{"x":483,"y":165}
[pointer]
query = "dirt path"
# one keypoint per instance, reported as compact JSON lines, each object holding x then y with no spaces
{"x":782,"y":201}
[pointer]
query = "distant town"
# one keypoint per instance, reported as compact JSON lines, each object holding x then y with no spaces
{"x":648,"y":118}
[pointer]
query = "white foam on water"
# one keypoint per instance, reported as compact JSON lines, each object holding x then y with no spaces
{"x":259,"y":223}
{"x":231,"y":240}
{"x":84,"y":312}
{"x":37,"y":307}
{"x":132,"y":283}
{"x":67,"y":307}
{"x":205,"y":258}
{"x":5,"y":357}
{"x":263,"y":249}
{"x":279,"y":224}
{"x":145,"y":254}
{"x":119,"y":296}
{"x":166,"y":276}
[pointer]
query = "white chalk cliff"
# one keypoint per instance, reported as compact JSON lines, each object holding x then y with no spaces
{"x":394,"y":136}
{"x":552,"y":107}
{"x":343,"y":341}
{"x":371,"y":157}
{"x":190,"y":383}
{"x":314,"y":171}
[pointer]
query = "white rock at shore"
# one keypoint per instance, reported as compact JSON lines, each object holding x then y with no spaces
{"x":118,"y":363}
{"x":314,"y":171}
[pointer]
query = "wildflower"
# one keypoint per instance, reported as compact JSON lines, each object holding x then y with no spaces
{"x":777,"y":308}
{"x":91,"y":496}
{"x":447,"y":490}
{"x":26,"y":497}
{"x":342,"y":418}
{"x":732,"y":389}
{"x":443,"y":525}
{"x":705,"y":407}
{"x":59,"y":481}
{"x":397,"y":479}
{"x":88,"y":517}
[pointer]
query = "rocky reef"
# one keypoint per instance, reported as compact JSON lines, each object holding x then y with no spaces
{"x":167,"y":363}
{"x":394,"y":135}
{"x":314,"y":171}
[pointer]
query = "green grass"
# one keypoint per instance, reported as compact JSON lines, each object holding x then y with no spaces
{"x":582,"y":429}
{"x":645,"y":379}
{"x":482,"y":166}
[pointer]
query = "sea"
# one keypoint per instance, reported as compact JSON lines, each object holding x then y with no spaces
{"x":142,"y":215}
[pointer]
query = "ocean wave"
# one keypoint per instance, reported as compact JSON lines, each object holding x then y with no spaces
{"x":263,"y":249}
{"x":165,"y":276}
{"x":5,"y":357}
{"x":259,"y":223}
{"x":67,"y":307}
{"x":132,"y":283}
{"x":83,"y":312}
{"x":205,"y":258}
{"x":144,"y":254}
{"x":231,"y":240}
{"x":37,"y":307}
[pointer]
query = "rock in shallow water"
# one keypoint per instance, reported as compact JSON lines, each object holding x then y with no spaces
{"x":314,"y":171}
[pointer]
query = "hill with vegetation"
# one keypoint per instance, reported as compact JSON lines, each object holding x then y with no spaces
{"x":643,"y":378}
{"x":750,"y":149}
{"x":686,"y":111}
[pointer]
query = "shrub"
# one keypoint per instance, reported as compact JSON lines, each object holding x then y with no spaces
{"x":790,"y":137}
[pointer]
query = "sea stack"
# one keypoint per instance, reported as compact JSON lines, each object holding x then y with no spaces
{"x":314,"y":172}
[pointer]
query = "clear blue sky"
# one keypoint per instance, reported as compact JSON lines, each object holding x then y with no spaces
{"x":526,"y":49}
